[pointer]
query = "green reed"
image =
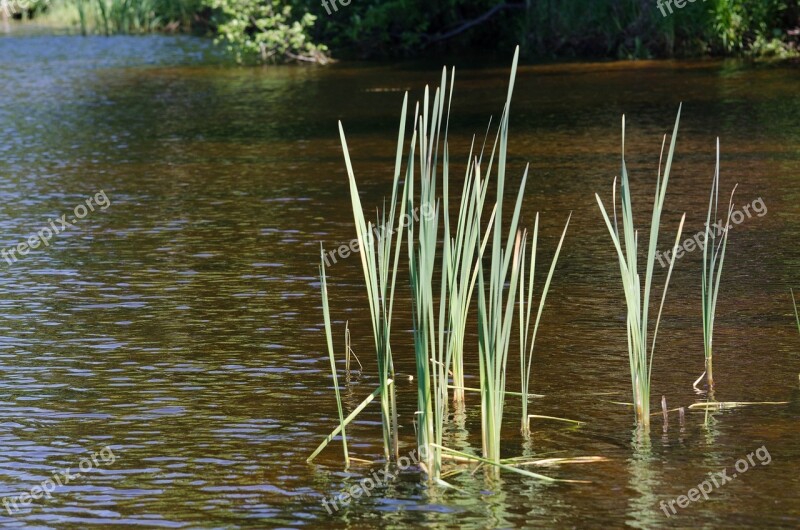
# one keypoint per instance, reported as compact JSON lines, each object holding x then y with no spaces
{"x":495,"y":301}
{"x":110,"y":17}
{"x":380,"y":276}
{"x":430,"y":354}
{"x":380,"y":264}
{"x":459,"y":267}
{"x":329,"y":339}
{"x":525,"y":334}
{"x":439,"y":343}
{"x":441,"y":302}
{"x":712,"y":270}
{"x":638,"y":304}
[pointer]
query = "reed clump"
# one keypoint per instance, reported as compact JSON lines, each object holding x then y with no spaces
{"x":626,"y":244}
{"x":448,"y":261}
{"x":468,"y":273}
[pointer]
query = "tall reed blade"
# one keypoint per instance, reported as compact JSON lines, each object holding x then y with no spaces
{"x":525,"y":335}
{"x":626,"y":245}
{"x":712,"y":270}
{"x":329,"y":339}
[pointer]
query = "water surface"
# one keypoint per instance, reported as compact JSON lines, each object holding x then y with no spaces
{"x":181,"y":325}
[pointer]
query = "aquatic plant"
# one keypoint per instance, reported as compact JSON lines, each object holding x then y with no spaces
{"x":459,"y":266}
{"x":796,"y":315}
{"x":438,"y":345}
{"x":495,"y":314}
{"x":329,"y":339}
{"x":506,"y":267}
{"x":375,"y":243}
{"x":462,"y":265}
{"x":120,"y":16}
{"x":422,"y":256}
{"x":712,"y":270}
{"x":441,"y":303}
{"x":626,"y":245}
{"x":525,"y":334}
{"x":433,"y":355}
{"x":495,"y":302}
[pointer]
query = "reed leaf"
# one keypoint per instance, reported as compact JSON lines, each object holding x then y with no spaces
{"x":717,"y":405}
{"x":500,"y":465}
{"x":329,"y":339}
{"x":527,"y":336}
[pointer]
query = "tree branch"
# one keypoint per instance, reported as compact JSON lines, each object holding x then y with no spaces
{"x":474,"y":22}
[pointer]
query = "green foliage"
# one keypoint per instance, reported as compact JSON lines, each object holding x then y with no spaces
{"x":636,"y":28}
{"x":22,"y":9}
{"x":737,"y":25}
{"x":259,"y":31}
{"x":392,"y":28}
{"x":556,"y":28}
{"x":252,"y":30}
{"x":264,"y":31}
{"x":118,"y":16}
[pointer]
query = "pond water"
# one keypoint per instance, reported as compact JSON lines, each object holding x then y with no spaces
{"x":178,"y":323}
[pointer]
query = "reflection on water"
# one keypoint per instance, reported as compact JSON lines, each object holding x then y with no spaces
{"x":643,"y":509}
{"x":182,"y":326}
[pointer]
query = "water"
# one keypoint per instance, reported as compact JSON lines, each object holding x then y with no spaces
{"x":181,"y":325}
